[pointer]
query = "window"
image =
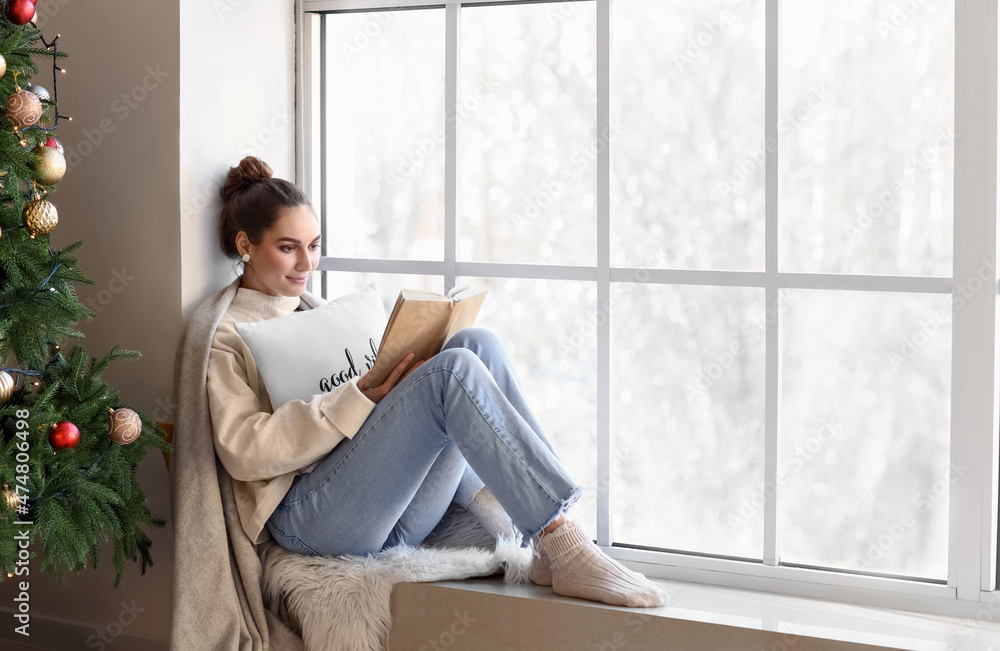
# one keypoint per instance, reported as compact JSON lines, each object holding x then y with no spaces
{"x":738,"y":250}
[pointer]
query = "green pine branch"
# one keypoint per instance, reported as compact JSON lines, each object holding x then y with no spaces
{"x":80,"y":497}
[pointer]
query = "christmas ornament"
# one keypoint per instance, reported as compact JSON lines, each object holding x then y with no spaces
{"x":41,"y":217}
{"x":20,"y":12}
{"x":6,"y":386}
{"x":39,"y":92}
{"x":125,"y":425}
{"x":52,"y":142}
{"x":64,"y":435}
{"x":51,"y":165}
{"x":23,"y":108}
{"x":3,"y":66}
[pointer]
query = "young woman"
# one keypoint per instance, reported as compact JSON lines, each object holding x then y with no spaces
{"x":363,"y":468}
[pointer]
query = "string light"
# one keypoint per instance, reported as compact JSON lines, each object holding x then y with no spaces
{"x":55,"y":85}
{"x":12,"y":499}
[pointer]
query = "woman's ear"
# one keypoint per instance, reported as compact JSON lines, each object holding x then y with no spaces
{"x":242,"y":242}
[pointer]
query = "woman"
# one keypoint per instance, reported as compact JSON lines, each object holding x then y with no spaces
{"x":363,"y":468}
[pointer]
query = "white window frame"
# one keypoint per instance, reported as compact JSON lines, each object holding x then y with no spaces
{"x":970,"y":590}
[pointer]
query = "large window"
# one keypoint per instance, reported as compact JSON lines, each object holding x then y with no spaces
{"x":743,"y":253}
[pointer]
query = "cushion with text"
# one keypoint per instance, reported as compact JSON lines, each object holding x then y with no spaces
{"x":315,"y":351}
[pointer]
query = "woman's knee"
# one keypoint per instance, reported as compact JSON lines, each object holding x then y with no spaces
{"x":454,"y":359}
{"x":474,"y":339}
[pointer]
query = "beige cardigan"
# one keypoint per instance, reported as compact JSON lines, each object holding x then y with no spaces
{"x":262,"y":448}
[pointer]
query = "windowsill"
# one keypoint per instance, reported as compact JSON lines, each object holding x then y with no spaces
{"x":695,"y":611}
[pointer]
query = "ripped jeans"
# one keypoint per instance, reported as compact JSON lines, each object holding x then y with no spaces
{"x":456,"y":423}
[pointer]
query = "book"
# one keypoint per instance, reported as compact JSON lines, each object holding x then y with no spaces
{"x":421,"y":322}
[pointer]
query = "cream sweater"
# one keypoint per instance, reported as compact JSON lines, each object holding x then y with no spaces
{"x":262,"y":448}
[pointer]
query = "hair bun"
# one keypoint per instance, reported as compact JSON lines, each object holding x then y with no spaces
{"x":250,"y":170}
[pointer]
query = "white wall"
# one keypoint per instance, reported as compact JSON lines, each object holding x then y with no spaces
{"x":239,"y":102}
{"x":204,"y":84}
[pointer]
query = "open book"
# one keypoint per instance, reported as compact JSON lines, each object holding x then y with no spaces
{"x":421,"y":323}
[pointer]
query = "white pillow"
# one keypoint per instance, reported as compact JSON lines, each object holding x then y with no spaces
{"x":314,"y":351}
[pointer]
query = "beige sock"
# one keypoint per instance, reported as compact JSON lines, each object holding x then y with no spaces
{"x":541,"y":566}
{"x":581,"y":569}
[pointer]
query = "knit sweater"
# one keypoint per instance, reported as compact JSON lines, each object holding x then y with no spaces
{"x":262,"y":448}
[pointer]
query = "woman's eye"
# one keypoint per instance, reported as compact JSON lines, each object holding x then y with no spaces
{"x":314,"y":246}
{"x":287,"y":249}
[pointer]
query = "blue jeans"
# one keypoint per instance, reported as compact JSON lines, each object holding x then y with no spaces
{"x":392,"y":482}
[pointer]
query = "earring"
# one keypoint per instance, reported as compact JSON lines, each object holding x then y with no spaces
{"x":246,"y":257}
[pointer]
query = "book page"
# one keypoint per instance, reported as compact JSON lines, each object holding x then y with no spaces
{"x":465,"y":312}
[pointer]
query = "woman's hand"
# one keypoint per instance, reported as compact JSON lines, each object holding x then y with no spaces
{"x":375,"y":394}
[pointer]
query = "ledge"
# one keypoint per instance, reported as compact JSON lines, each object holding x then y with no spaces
{"x":487,"y":615}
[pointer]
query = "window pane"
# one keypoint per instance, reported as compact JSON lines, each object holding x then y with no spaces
{"x":339,"y":283}
{"x":864,"y":439}
{"x":688,"y":418}
{"x":547,"y":327}
{"x":866,"y":137}
{"x":527,"y":115}
{"x":688,"y":133}
{"x":385,"y":135}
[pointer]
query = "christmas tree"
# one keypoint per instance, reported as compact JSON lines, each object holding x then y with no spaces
{"x":68,"y":447}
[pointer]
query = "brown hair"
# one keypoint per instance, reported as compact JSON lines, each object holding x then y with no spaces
{"x":251,"y":201}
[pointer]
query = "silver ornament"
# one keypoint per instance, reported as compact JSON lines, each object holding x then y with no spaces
{"x":38,"y":90}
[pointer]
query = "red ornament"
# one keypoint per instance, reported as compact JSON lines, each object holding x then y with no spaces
{"x":64,"y":435}
{"x":52,"y":142}
{"x":20,"y":12}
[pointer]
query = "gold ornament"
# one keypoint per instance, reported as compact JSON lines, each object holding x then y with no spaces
{"x":125,"y":425}
{"x":23,"y":109}
{"x":3,"y":66}
{"x":6,"y":386}
{"x":51,"y":165}
{"x":40,"y":217}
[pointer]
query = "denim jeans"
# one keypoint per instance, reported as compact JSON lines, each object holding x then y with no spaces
{"x":392,"y":482}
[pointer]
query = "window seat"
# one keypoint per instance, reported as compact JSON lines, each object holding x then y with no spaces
{"x":487,"y":615}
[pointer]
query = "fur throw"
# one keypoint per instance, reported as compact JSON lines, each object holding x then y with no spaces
{"x":342,"y":603}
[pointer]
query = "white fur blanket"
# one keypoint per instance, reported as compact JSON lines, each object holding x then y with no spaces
{"x":342,"y":603}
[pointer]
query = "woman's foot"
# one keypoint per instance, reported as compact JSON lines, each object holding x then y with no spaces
{"x":580,"y":569}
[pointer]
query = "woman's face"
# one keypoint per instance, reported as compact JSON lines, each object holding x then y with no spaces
{"x":287,"y":254}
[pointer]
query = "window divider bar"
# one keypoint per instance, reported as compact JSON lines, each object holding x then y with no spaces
{"x":380,"y":266}
{"x":605,"y":533}
{"x":324,"y":201}
{"x":973,"y":469}
{"x":452,"y":22}
{"x":772,"y":364}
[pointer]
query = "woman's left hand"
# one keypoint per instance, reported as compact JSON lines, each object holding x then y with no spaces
{"x":375,"y":394}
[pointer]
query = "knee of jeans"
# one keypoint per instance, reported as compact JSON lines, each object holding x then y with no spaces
{"x":475,"y":338}
{"x":454,"y":359}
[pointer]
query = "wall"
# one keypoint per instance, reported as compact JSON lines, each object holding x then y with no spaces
{"x":247,"y":95}
{"x":165,"y":96}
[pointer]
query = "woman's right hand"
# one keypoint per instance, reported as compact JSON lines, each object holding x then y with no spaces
{"x":375,"y":394}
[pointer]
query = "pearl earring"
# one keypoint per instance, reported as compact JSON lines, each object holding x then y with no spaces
{"x":246,"y":257}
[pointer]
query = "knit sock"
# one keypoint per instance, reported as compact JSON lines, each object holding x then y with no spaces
{"x":541,"y":566}
{"x":485,"y":507}
{"x":581,"y":569}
